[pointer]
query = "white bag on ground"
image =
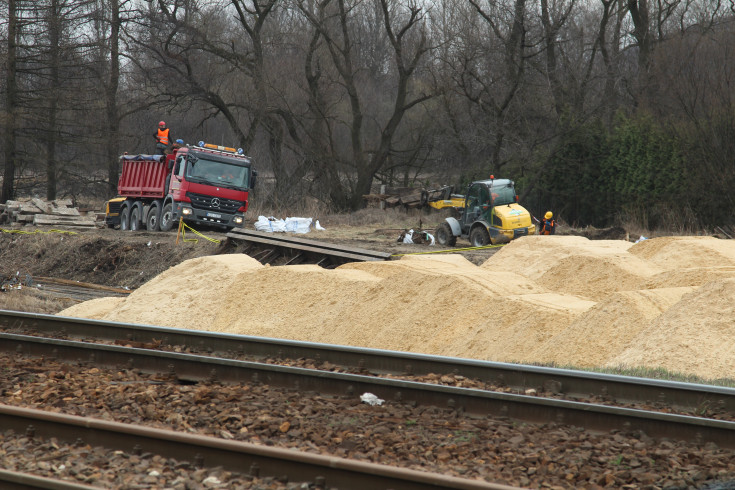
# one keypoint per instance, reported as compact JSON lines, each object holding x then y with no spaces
{"x":319,"y":227}
{"x":298,"y":225}
{"x":270,"y":224}
{"x":407,"y":237}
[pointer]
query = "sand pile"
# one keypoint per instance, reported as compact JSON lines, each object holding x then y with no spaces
{"x":608,"y":328}
{"x":566,"y":300}
{"x":685,"y":252}
{"x":697,"y":332}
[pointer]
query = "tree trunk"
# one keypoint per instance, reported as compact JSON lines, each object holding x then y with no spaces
{"x":11,"y":103}
{"x":54,"y":35}
{"x":113,"y":119}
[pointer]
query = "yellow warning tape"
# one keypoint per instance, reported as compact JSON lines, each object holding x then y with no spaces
{"x":451,"y":250}
{"x":22,"y":232}
{"x":182,"y":231}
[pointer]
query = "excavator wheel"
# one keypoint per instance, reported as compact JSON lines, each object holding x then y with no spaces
{"x":444,"y":235}
{"x":479,"y":237}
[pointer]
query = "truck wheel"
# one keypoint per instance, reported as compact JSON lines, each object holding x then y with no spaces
{"x":153,"y":220}
{"x":135,"y":218}
{"x":444,"y":235}
{"x":125,"y":217}
{"x":167,"y":217}
{"x":479,"y":237}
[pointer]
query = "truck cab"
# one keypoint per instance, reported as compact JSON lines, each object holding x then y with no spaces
{"x":208,"y":186}
{"x":490,"y":215}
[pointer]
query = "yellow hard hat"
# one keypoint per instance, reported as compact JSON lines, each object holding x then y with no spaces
{"x":549,"y":215}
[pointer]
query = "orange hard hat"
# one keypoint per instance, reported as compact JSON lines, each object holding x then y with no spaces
{"x":162,"y":123}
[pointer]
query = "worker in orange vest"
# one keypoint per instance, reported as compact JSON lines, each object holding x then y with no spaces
{"x":548,"y":225}
{"x":163,"y":138}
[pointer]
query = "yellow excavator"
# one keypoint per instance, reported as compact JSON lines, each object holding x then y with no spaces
{"x":489,"y":213}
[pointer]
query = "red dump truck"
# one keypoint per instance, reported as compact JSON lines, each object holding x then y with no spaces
{"x":203,"y":185}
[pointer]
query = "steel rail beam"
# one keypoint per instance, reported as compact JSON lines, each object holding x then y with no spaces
{"x":15,"y":480}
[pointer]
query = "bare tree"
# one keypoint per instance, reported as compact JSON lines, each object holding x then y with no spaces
{"x":11,"y":104}
{"x":403,"y":27}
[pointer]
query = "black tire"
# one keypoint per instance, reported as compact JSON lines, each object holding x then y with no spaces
{"x":125,"y":217}
{"x":167,"y":215}
{"x":479,"y":237}
{"x":153,"y":220}
{"x":135,"y":218}
{"x":444,"y":235}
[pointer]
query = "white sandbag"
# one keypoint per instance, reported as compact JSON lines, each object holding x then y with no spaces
{"x":270,"y":224}
{"x":298,"y":225}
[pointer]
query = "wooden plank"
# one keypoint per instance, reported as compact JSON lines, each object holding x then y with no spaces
{"x":64,"y":218}
{"x":64,"y":211}
{"x":24,"y":218}
{"x":42,"y":205}
{"x":28,"y":208}
{"x":411,"y":198}
{"x":57,"y":222}
{"x":53,"y":280}
{"x":62,"y":203}
{"x":305,"y":244}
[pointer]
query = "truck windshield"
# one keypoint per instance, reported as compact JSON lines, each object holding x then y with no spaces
{"x":503,"y":194}
{"x":217,"y":173}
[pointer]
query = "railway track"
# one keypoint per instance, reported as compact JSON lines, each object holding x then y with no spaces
{"x":192,"y":368}
{"x":570,"y":384}
{"x":312,"y":470}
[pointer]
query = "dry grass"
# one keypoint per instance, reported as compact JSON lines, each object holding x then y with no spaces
{"x":32,"y":301}
{"x":666,"y":223}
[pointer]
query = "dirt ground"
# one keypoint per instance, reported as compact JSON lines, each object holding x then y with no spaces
{"x":127,"y":260}
{"x":130,"y":259}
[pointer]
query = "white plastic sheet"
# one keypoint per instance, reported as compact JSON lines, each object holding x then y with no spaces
{"x":371,"y":399}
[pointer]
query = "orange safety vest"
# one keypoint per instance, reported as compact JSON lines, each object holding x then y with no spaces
{"x":162,"y":136}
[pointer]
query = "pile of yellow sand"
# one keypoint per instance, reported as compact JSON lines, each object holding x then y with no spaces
{"x":663,"y":302}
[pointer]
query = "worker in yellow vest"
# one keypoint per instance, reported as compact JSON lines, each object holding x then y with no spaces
{"x":163,"y":138}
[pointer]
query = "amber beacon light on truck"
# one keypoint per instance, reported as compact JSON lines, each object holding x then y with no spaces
{"x":202,"y":144}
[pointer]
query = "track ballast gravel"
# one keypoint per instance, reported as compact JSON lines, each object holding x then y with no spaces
{"x":421,"y":438}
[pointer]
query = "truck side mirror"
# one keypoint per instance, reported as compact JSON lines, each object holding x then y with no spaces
{"x":252,"y":179}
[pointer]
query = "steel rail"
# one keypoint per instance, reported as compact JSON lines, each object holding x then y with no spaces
{"x":15,"y":480}
{"x":196,"y":368}
{"x":573,"y":384}
{"x":240,"y":457}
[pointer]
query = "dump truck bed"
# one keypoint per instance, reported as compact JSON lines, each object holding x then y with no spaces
{"x":143,"y":176}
